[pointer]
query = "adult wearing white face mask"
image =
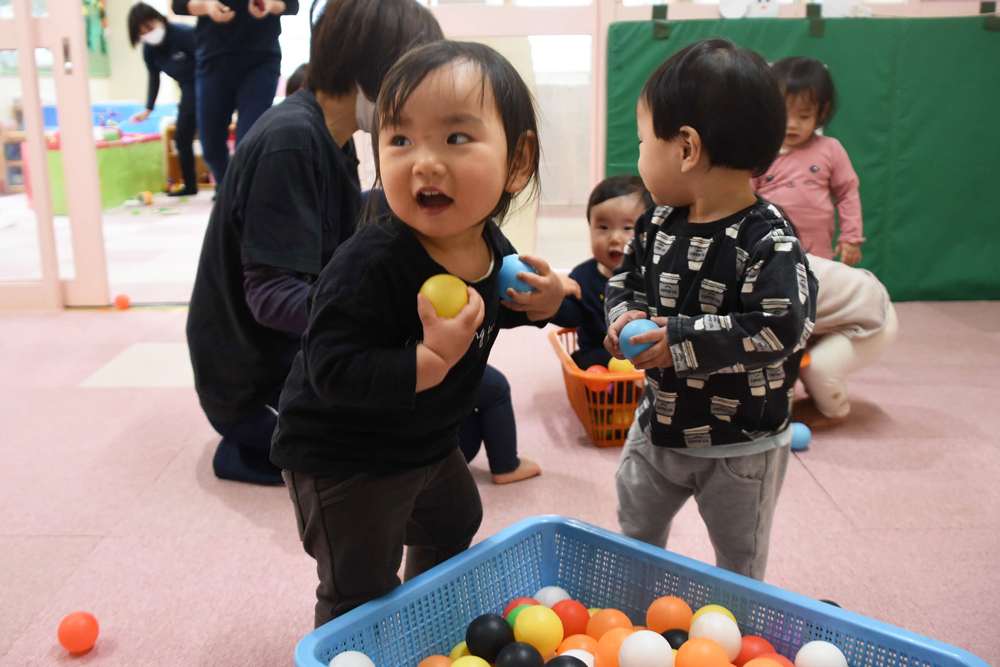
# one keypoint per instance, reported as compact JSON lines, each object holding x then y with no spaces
{"x":290,"y":197}
{"x":169,"y":48}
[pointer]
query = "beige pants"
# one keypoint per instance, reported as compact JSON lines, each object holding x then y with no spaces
{"x":834,"y":357}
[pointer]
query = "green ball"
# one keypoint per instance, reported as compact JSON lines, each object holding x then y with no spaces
{"x":512,"y":616}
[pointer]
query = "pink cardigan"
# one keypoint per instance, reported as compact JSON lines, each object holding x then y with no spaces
{"x":803,"y":180}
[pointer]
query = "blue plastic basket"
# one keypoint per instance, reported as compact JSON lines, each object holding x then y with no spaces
{"x":429,"y":614}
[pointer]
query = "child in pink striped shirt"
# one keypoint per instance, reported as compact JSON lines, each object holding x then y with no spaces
{"x":812,"y":174}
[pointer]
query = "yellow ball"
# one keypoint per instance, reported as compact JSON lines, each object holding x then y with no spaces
{"x":460,"y":651}
{"x":470,"y":661}
{"x":621,"y":366}
{"x":540,"y":627}
{"x":593,"y":610}
{"x":713,"y":608}
{"x":447,"y":294}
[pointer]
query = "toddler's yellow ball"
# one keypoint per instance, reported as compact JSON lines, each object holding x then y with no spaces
{"x":447,"y":294}
{"x":540,"y":627}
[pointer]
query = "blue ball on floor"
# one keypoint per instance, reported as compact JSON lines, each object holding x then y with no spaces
{"x":634,"y":328}
{"x":512,"y":265}
{"x":801,"y":436}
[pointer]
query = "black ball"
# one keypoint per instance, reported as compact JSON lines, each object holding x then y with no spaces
{"x":520,"y":654}
{"x":675,"y":637}
{"x":565,"y":661}
{"x":488,"y":634}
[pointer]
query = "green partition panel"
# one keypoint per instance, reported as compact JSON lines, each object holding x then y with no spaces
{"x":919,"y":116}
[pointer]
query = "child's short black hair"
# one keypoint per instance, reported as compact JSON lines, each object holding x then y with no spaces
{"x":621,"y":185}
{"x":514,"y":103}
{"x":358,"y":41}
{"x":140,"y":15}
{"x":801,"y":75}
{"x":296,"y":80}
{"x":729,"y":95}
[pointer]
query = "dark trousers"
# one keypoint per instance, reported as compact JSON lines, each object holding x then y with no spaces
{"x":355,"y":527}
{"x":232,"y":83}
{"x":492,"y":422}
{"x":187,"y":125}
{"x":244,"y":454}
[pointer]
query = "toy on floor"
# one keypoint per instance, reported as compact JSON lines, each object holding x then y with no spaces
{"x":446,"y":293}
{"x":122,"y":302}
{"x":512,"y":265}
{"x":78,"y":632}
{"x":801,"y":437}
{"x":634,"y":328}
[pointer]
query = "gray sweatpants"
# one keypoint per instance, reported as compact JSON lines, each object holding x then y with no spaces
{"x":735,"y":495}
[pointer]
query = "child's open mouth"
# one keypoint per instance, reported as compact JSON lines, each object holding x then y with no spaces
{"x":433,"y":201}
{"x":616,"y":256}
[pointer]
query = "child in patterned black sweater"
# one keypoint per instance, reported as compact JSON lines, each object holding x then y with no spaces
{"x":724,"y":276}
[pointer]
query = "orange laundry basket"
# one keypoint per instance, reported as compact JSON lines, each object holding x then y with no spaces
{"x":604,"y":402}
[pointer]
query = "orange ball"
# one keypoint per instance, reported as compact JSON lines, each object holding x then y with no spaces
{"x":122,"y":301}
{"x":517,"y":603}
{"x":701,"y":652}
{"x":780,"y":659}
{"x":604,"y":620}
{"x":753,"y":647}
{"x":806,"y":360}
{"x":574,"y":617}
{"x":435,"y":661}
{"x":762,"y":662}
{"x":78,"y":632}
{"x":669,"y":613}
{"x":581,"y":642}
{"x":610,"y":644}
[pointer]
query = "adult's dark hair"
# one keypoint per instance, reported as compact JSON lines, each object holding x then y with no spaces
{"x":729,"y":95}
{"x":358,"y":41}
{"x":140,"y":15}
{"x":801,"y":75}
{"x":621,"y":185}
{"x":296,"y":80}
{"x":514,"y":104}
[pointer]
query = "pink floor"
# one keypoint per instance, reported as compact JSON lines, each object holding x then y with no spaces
{"x":110,"y":505}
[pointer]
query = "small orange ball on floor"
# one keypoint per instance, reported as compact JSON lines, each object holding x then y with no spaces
{"x":78,"y":632}
{"x":122,"y":302}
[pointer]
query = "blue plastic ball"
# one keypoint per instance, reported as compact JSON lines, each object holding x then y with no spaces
{"x":512,"y":265}
{"x":801,"y":435}
{"x":634,"y":328}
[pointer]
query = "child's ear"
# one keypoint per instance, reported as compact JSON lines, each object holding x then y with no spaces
{"x":824,"y":114}
{"x":524,"y":163}
{"x":690,"y":148}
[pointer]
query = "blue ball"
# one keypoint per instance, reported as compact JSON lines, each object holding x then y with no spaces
{"x":634,"y":328}
{"x":801,"y":435}
{"x":512,"y":265}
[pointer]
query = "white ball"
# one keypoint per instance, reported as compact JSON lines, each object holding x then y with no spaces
{"x":820,"y":654}
{"x":720,"y":629}
{"x":352,"y":659}
{"x":580,"y":654}
{"x":644,"y":648}
{"x":551,"y":595}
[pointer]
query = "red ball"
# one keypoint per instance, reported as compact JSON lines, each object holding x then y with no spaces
{"x":78,"y":632}
{"x":753,"y":647}
{"x":780,"y":659}
{"x":122,"y":302}
{"x":517,"y":603}
{"x":574,"y":617}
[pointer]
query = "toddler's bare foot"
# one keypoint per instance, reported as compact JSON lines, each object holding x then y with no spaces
{"x":528,"y":468}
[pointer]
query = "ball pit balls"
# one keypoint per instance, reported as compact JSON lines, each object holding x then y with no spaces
{"x":751,"y":647}
{"x":669,"y":613}
{"x":675,"y":637}
{"x":592,"y":611}
{"x":763,"y":662}
{"x":644,"y":648}
{"x":446,"y":293}
{"x":435,"y":661}
{"x":512,"y":265}
{"x":820,"y":654}
{"x":122,"y":302}
{"x":517,"y":603}
{"x":550,"y":595}
{"x":806,"y":360}
{"x":586,"y":657}
{"x":720,"y":629}
{"x":621,"y":366}
{"x":701,"y":652}
{"x":574,"y":617}
{"x":512,"y":616}
{"x":801,"y":437}
{"x":78,"y":632}
{"x":775,"y":657}
{"x":604,"y":620}
{"x":634,"y":328}
{"x":581,"y":642}
{"x":565,"y":660}
{"x":609,"y":646}
{"x":518,"y":654}
{"x":597,"y":386}
{"x":712,"y":608}
{"x":352,"y":659}
{"x":460,"y":651}
{"x":487,"y":635}
{"x":540,"y":627}
{"x":470,"y":661}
